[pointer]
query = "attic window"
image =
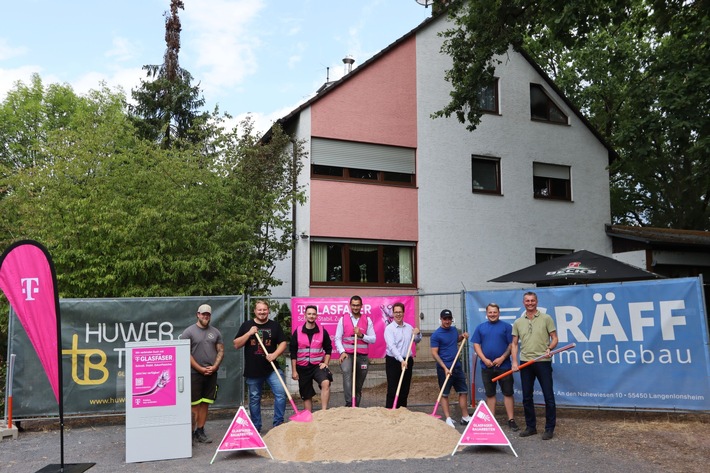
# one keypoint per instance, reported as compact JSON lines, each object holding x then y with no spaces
{"x":543,"y":108}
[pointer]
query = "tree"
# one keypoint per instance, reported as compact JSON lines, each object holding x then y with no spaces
{"x":27,"y":115}
{"x":638,"y":69}
{"x":167,"y":106}
{"x":260,"y":178}
{"x":125,"y":217}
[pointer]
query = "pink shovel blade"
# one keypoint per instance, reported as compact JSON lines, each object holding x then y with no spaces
{"x":303,"y":416}
{"x":433,"y":413}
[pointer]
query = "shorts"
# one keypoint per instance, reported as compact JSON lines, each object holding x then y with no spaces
{"x":306,"y":376}
{"x":457,"y":380}
{"x":506,"y":384}
{"x":203,"y":388}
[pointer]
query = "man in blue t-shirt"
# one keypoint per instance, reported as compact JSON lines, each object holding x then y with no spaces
{"x":444,"y":347}
{"x":492,"y":342}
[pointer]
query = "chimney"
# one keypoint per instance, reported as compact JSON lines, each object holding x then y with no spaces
{"x":348,"y":61}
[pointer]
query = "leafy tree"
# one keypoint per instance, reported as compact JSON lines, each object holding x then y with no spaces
{"x":27,"y":115}
{"x":167,"y":106}
{"x":124,"y":217}
{"x":260,"y":179}
{"x":638,"y":69}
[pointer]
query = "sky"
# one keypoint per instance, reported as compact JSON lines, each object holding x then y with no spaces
{"x":257,"y":57}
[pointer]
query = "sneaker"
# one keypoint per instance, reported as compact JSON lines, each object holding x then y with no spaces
{"x":465,"y":420}
{"x":547,"y":435}
{"x":528,"y":432}
{"x":450,"y":422}
{"x":201,"y":437}
{"x":513,"y":426}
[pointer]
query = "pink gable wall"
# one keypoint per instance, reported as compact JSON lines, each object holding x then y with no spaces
{"x":378,"y":105}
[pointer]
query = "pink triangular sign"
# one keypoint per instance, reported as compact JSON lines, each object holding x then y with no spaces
{"x":241,"y":435}
{"x":483,"y":430}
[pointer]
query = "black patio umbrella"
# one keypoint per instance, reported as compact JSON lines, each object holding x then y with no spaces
{"x":580,"y":267}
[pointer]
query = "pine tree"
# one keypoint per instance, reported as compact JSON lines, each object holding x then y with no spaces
{"x":167,"y":109}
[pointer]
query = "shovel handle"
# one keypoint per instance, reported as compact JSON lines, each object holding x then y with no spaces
{"x":441,"y":392}
{"x":528,"y":363}
{"x":401,"y":376}
{"x":273,"y":365}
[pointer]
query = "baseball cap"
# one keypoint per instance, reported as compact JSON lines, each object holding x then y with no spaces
{"x":446,"y":314}
{"x":204,"y":308}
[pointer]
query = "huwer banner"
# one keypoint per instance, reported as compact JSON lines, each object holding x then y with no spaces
{"x":94,"y":335}
{"x":27,"y":279}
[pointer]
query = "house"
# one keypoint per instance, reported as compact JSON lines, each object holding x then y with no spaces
{"x":666,"y":251}
{"x":401,"y":203}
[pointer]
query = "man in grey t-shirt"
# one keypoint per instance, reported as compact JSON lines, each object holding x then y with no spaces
{"x":206,"y":353}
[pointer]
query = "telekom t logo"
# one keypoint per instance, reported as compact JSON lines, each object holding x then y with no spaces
{"x":30,"y":286}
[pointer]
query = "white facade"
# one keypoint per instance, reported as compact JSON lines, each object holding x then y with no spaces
{"x":467,"y":238}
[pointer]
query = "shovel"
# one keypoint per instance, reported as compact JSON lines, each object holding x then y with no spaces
{"x":441,"y":393}
{"x":528,"y":363}
{"x":303,"y":416}
{"x":401,"y":376}
{"x":354,"y":371}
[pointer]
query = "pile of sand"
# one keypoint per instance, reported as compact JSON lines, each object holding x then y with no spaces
{"x":346,"y":434}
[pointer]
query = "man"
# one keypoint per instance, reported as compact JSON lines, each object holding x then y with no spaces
{"x":444,"y":347}
{"x":537,"y":335}
{"x":258,"y":368}
{"x":398,"y":335}
{"x":492,"y":342}
{"x":206,"y":354}
{"x":310,"y":354}
{"x":354,"y":328}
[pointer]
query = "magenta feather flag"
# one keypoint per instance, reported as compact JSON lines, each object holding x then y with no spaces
{"x":28,"y":280}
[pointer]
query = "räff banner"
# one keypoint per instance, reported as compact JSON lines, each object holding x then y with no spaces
{"x":94,"y":335}
{"x":638,"y":344}
{"x":331,"y":309}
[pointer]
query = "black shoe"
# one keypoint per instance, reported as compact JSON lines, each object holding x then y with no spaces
{"x":547,"y":435}
{"x":201,"y":437}
{"x":513,"y":426}
{"x":528,"y":432}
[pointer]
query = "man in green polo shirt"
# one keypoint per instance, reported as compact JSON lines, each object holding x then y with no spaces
{"x":537,"y":335}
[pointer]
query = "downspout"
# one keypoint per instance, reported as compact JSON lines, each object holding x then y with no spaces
{"x":294,"y":236}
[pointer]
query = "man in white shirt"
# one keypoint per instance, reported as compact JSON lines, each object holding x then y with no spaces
{"x":354,"y":329}
{"x":398,"y":336}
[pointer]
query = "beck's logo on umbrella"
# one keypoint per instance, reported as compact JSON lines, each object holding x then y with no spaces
{"x":575,"y":267}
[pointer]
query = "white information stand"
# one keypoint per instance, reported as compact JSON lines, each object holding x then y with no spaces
{"x":158,"y":416}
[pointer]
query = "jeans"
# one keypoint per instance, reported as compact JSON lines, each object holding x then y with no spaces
{"x":255,"y":387}
{"x":541,"y":370}
{"x":361,"y":373}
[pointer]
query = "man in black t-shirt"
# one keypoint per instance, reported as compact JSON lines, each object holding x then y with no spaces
{"x":257,"y":364}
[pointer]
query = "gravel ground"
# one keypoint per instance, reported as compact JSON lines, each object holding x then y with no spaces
{"x":105,"y":445}
{"x":586,"y":441}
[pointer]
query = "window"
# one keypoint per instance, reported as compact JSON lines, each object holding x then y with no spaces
{"x":488,"y":99}
{"x":486,"y":174}
{"x":319,"y":170}
{"x":355,"y":263}
{"x":543,"y":108}
{"x":355,"y":161}
{"x":546,"y":254}
{"x":551,"y":181}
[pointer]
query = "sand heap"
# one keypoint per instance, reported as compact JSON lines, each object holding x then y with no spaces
{"x":346,"y":434}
